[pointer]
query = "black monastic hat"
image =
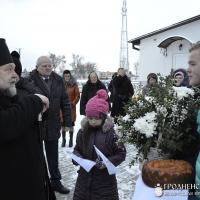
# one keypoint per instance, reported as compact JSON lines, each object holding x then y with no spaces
{"x":16,"y":59}
{"x":5,"y":56}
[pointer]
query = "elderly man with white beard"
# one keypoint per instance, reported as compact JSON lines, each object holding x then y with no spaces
{"x":22,"y":168}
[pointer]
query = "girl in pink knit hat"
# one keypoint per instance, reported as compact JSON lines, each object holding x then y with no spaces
{"x":97,"y":129}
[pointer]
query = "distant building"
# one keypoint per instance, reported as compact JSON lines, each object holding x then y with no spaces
{"x":25,"y":73}
{"x":166,"y":49}
{"x":105,"y":75}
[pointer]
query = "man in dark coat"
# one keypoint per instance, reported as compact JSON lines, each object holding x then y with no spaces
{"x":89,"y":90}
{"x":123,"y":92}
{"x":22,"y":169}
{"x":51,"y":85}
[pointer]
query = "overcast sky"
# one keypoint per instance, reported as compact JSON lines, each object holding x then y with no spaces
{"x":90,"y":28}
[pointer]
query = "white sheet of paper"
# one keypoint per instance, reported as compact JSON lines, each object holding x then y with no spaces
{"x":85,"y":163}
{"x":111,"y":168}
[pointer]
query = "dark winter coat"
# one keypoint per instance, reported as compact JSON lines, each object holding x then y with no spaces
{"x":98,"y":184}
{"x":112,"y":90}
{"x":25,"y":87}
{"x":58,"y":100}
{"x":123,"y":92}
{"x":89,"y":90}
{"x":22,"y":161}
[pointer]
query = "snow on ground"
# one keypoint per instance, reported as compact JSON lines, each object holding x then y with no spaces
{"x":126,"y":175}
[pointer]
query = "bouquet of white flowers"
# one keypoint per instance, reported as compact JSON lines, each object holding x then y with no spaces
{"x":165,"y":119}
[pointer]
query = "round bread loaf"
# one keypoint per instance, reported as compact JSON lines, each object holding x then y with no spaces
{"x":166,"y":172}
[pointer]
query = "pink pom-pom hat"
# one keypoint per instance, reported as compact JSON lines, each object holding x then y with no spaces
{"x":97,"y":104}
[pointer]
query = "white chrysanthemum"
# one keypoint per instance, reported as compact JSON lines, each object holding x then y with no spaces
{"x":126,"y":118}
{"x":161,"y":109}
{"x":183,"y":92}
{"x":146,"y":125}
{"x":184,"y":111}
{"x":118,"y":129}
{"x":149,"y":99}
{"x":140,"y":103}
{"x":174,"y":108}
{"x":130,"y":109}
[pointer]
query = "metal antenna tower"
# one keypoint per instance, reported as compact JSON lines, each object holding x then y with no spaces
{"x":124,"y":63}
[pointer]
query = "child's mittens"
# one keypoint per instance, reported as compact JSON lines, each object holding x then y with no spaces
{"x":99,"y":164}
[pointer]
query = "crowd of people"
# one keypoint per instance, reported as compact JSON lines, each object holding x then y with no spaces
{"x":37,"y":110}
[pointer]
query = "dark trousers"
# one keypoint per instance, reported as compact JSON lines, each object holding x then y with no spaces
{"x":51,"y":147}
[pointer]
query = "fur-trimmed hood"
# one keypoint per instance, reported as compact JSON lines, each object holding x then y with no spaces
{"x":108,"y":124}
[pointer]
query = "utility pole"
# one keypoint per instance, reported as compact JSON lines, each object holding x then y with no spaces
{"x":124,"y":62}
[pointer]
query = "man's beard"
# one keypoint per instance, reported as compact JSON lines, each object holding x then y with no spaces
{"x":11,"y":92}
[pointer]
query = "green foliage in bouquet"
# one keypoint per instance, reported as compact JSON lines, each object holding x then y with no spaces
{"x":165,"y":119}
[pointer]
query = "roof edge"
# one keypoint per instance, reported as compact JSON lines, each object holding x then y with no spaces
{"x":136,"y":41}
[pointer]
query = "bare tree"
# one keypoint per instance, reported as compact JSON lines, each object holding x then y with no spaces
{"x":89,"y":67}
{"x":77,"y":61}
{"x":57,"y":61}
{"x":80,"y":69}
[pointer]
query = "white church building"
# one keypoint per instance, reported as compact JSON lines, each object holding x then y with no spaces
{"x":166,"y":49}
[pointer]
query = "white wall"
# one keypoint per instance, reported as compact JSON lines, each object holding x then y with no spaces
{"x":152,"y":58}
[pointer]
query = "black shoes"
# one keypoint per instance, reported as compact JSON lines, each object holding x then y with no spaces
{"x":63,"y":143}
{"x":70,"y":139}
{"x":63,"y":139}
{"x":58,"y":187}
{"x":71,"y":142}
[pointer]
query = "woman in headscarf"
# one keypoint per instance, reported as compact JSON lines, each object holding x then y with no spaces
{"x":181,"y":78}
{"x":72,"y":90}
